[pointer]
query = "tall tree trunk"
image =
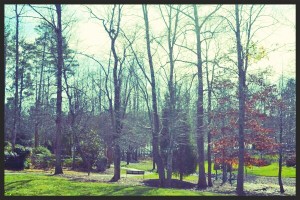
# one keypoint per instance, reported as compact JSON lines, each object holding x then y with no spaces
{"x":170,"y":160}
{"x":241,"y":120}
{"x":171,"y":43}
{"x":128,"y":155}
{"x":16,"y":109}
{"x":155,"y":134}
{"x":153,"y":162}
{"x":209,"y":138}
{"x":181,"y":176}
{"x":85,"y":159}
{"x":230,"y":173}
{"x":280,"y":152}
{"x":200,"y":132}
{"x":224,"y":172}
{"x":117,"y":104}
{"x":21,"y":73}
{"x":36,"y":135}
{"x":38,"y":100}
{"x":58,"y":167}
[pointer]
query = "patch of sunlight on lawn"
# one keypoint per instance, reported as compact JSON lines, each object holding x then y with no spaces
{"x":272,"y":170}
{"x":30,"y":184}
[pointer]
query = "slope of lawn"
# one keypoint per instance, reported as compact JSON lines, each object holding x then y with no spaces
{"x":145,"y":165}
{"x":272,"y":170}
{"x":32,"y":184}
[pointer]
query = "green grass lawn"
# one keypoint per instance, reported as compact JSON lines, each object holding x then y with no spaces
{"x":145,"y":165}
{"x":32,"y":184}
{"x":272,"y":170}
{"x":39,"y":184}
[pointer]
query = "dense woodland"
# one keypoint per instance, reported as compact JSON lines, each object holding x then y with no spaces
{"x":180,"y":84}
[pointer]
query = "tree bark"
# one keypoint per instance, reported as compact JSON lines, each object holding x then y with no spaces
{"x":38,"y":100}
{"x":224,"y":172}
{"x":280,"y":152}
{"x":171,"y":43}
{"x":16,"y":109}
{"x":181,"y":176}
{"x":21,"y":73}
{"x":209,"y":138}
{"x":200,"y":132}
{"x":153,"y":163}
{"x":241,"y":120}
{"x":155,"y":133}
{"x":117,"y":104}
{"x":36,"y":135}
{"x":58,"y":167}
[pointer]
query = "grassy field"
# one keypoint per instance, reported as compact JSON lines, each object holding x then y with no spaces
{"x":33,"y":184}
{"x":270,"y":170}
{"x":39,"y":183}
{"x":145,"y":165}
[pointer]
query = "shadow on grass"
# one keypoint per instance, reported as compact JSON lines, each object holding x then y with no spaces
{"x":127,"y":191}
{"x":12,"y":185}
{"x":174,"y":184}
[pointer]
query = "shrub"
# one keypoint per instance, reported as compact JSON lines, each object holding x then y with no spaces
{"x":7,"y":146}
{"x":262,"y":162}
{"x":68,"y":162}
{"x":27,"y":163}
{"x":217,"y":166}
{"x":42,"y":158}
{"x":16,"y":160}
{"x":22,"y":151}
{"x":184,"y":160}
{"x":78,"y":164}
{"x":41,"y":150}
{"x":291,"y":161}
{"x":266,"y":162}
{"x":101,"y":164}
{"x":270,"y":159}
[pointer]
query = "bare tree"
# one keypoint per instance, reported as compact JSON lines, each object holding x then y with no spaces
{"x":16,"y":110}
{"x":280,"y":141}
{"x":58,"y":30}
{"x":198,"y":25}
{"x":38,"y":95}
{"x":155,"y":134}
{"x":210,"y":81}
{"x":172,"y":36}
{"x":113,"y":30}
{"x":59,"y":46}
{"x":17,"y":100}
{"x":242,"y":64}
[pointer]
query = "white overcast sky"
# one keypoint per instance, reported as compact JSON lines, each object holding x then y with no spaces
{"x":88,"y":35}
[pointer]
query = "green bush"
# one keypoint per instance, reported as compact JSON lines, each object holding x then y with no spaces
{"x":184,"y":160}
{"x":27,"y":163}
{"x":22,"y":151}
{"x":101,"y":164}
{"x":42,"y":158}
{"x":68,"y":162}
{"x":78,"y":164}
{"x":291,"y":161}
{"x":41,"y":150}
{"x":7,"y":146}
{"x":16,"y":160}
